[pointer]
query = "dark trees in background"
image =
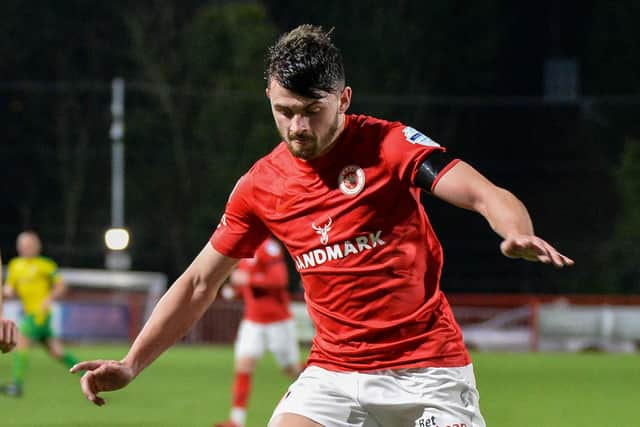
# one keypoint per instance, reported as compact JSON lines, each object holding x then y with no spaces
{"x":196,"y":118}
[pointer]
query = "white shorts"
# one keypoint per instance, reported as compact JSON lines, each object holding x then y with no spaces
{"x":421,"y":397}
{"x":278,"y":337}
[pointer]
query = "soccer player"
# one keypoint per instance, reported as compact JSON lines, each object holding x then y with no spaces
{"x":267,"y":323}
{"x":341,"y":192}
{"x":8,"y":332}
{"x":36,"y":282}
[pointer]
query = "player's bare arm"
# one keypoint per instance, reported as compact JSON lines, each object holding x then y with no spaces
{"x":8,"y":335}
{"x":59,"y":289}
{"x":8,"y":332}
{"x":180,"y":307}
{"x":1,"y":288}
{"x":465,"y":187}
{"x":8,"y":291}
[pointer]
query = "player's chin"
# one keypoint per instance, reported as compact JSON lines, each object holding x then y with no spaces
{"x":302,"y":151}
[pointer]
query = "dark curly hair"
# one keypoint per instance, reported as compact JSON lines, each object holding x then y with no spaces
{"x":306,"y":62}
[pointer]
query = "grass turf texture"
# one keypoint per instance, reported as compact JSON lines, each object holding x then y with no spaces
{"x":190,"y":386}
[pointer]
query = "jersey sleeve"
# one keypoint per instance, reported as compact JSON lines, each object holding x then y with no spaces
{"x":405,"y":148}
{"x":240,"y":231}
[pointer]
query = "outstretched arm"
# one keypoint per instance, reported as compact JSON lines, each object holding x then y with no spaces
{"x":180,"y":307}
{"x":465,"y":187}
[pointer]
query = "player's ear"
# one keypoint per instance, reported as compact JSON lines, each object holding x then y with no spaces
{"x":266,"y":92}
{"x":344,"y":100}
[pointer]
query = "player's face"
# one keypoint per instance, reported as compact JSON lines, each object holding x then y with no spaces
{"x":28,"y":245}
{"x":309,"y":126}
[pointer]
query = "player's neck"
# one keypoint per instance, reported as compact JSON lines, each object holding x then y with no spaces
{"x":336,"y":136}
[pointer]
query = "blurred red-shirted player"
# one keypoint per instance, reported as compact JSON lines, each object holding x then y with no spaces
{"x":267,"y":323}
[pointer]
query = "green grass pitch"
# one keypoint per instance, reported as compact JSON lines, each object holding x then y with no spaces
{"x":189,"y":386}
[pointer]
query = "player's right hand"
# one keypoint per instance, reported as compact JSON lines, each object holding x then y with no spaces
{"x":102,"y":375}
{"x":8,"y":335}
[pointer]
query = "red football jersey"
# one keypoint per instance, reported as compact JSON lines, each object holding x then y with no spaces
{"x":266,"y":298}
{"x":369,"y":260}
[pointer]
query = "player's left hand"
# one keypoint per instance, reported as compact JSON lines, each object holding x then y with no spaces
{"x":533,"y":248}
{"x":8,"y":335}
{"x":102,"y":375}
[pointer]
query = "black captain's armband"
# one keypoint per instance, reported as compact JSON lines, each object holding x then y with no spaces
{"x":430,"y":168}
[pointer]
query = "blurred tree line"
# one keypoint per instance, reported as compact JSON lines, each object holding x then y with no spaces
{"x":467,"y":74}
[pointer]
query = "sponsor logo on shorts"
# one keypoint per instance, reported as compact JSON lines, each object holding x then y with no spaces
{"x":426,"y":421}
{"x":430,"y":421}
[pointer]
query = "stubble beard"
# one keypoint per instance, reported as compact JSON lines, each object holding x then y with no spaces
{"x":314,"y":146}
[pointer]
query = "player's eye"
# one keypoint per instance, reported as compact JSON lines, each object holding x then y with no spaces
{"x":313,"y":109}
{"x":286,"y":112}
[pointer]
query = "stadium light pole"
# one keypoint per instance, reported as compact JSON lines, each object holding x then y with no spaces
{"x":117,"y":237}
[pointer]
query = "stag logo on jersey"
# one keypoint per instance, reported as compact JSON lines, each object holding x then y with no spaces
{"x":323,"y":230}
{"x":416,"y":137}
{"x":351,"y":180}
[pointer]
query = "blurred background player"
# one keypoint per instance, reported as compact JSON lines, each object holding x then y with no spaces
{"x":266,"y":324}
{"x":8,"y":332}
{"x":34,"y":279}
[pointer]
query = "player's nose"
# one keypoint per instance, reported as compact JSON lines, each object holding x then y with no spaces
{"x":299,"y":125}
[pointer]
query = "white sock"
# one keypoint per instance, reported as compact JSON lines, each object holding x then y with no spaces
{"x":238,"y":415}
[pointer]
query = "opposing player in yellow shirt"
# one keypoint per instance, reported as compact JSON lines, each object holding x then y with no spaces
{"x":8,"y":332}
{"x":37,"y":283}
